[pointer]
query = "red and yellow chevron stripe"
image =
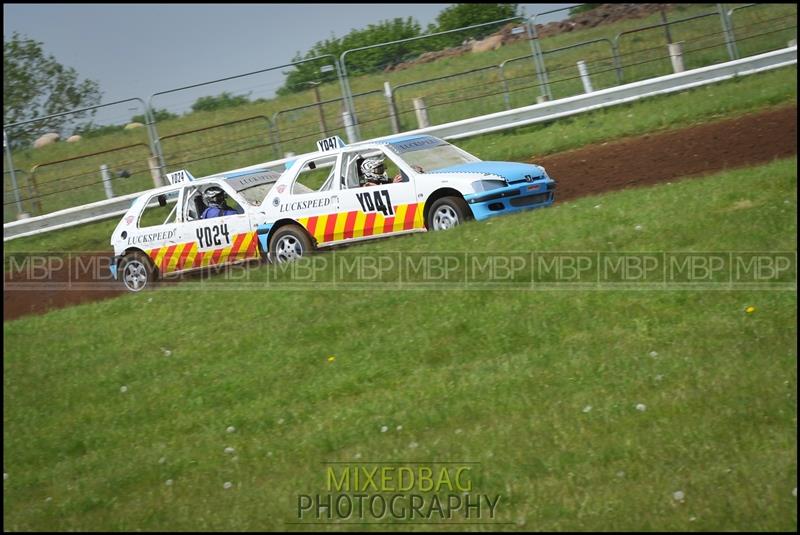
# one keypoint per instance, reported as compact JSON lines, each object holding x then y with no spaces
{"x":357,"y":224}
{"x":186,"y":255}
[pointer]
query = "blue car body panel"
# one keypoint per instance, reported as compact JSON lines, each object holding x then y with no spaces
{"x":262,"y":231}
{"x":512,"y":198}
{"x":511,"y":171}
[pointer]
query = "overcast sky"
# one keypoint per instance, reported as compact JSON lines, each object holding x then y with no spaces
{"x":135,"y":50}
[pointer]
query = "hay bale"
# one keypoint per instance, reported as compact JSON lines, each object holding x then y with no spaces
{"x":74,"y":139}
{"x":493,"y":42}
{"x":131,"y":126}
{"x":46,"y":139}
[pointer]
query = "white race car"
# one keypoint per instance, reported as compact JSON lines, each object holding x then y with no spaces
{"x":339,"y":194}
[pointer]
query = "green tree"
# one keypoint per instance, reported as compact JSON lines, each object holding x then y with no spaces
{"x":158,"y":115}
{"x":36,"y":85}
{"x":223,"y":100}
{"x":359,"y":62}
{"x":462,"y":15}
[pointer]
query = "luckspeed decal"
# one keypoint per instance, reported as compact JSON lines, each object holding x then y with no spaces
{"x":182,"y":256}
{"x":358,"y":224}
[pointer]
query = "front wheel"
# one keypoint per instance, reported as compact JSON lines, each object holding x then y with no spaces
{"x":446,"y":213}
{"x":289,"y":243}
{"x":136,"y":272}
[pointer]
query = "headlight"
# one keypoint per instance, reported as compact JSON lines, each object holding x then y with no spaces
{"x":486,"y":185}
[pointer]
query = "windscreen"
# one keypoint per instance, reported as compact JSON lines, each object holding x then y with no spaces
{"x":254,"y":187}
{"x":430,"y":153}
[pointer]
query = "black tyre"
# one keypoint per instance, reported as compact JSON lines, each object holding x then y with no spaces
{"x":446,"y":213}
{"x":289,"y":243}
{"x":136,"y":271}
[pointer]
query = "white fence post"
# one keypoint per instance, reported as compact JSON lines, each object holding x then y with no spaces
{"x":106,"y":181}
{"x":155,"y":171}
{"x":422,"y":113}
{"x":387,"y":90}
{"x":676,"y":56}
{"x":587,"y":83}
{"x":347,"y":119}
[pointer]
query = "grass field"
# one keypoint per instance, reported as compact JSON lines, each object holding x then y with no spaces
{"x":717,"y":101}
{"x":643,"y":54}
{"x":539,"y":387}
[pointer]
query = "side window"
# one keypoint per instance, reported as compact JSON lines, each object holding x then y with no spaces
{"x":392,"y":170}
{"x":310,"y":180}
{"x":194,"y":205}
{"x":352,"y":167}
{"x":352,"y":170}
{"x":155,"y":214}
{"x":233,"y":203}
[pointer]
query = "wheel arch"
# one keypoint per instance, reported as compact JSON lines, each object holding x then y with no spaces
{"x":282,"y":223}
{"x":156,"y":273}
{"x":137,"y":250}
{"x":438,"y":194}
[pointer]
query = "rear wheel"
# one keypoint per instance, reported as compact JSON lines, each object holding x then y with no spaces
{"x":289,"y":243}
{"x":136,"y":271}
{"x":446,"y":213}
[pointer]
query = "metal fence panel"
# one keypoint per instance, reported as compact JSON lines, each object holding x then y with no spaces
{"x":643,"y":51}
{"x":298,"y":128}
{"x":236,"y":98}
{"x":111,"y":126}
{"x":760,"y":28}
{"x":218,"y":147}
{"x":562,"y":67}
{"x":394,"y":57}
{"x":69,"y":182}
{"x":477,"y":91}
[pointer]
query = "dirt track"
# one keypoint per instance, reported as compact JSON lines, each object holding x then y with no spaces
{"x":653,"y":158}
{"x":650,"y":159}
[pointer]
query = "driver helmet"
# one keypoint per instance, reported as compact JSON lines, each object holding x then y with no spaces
{"x":214,"y":196}
{"x":373,"y":170}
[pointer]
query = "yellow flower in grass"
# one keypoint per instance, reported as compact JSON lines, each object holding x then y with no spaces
{"x":750,"y":309}
{"x":331,"y":358}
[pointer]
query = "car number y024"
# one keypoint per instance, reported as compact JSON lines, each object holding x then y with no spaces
{"x":371,"y":202}
{"x":213,"y":235}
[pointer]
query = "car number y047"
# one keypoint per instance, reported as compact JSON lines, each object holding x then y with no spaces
{"x":371,"y":202}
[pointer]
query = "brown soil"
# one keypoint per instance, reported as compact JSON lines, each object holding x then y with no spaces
{"x":710,"y":147}
{"x":659,"y":157}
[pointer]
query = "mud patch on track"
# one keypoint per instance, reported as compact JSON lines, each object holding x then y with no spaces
{"x":650,"y":159}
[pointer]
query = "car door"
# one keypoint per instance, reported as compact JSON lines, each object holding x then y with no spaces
{"x":377,"y":210}
{"x":156,"y":230}
{"x":312,"y":199}
{"x":215,"y":241}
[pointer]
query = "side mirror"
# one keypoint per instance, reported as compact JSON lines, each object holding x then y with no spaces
{"x":162,"y":200}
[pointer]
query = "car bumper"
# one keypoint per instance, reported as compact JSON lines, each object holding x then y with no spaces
{"x":510,"y":199}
